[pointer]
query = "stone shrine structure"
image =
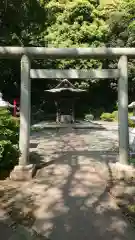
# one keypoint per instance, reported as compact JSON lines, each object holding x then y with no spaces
{"x":65,"y":95}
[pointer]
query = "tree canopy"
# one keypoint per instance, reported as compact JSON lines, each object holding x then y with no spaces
{"x":67,"y":23}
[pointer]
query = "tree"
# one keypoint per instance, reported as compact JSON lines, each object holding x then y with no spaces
{"x":22,"y":23}
{"x":75,"y":24}
{"x":62,"y":23}
{"x":121,"y":22}
{"x":78,"y":24}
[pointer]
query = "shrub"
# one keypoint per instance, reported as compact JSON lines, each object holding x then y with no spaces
{"x":89,"y":117}
{"x":106,"y":117}
{"x":97,"y":112}
{"x":130,"y":122}
{"x":9,"y":138}
{"x":115,"y":115}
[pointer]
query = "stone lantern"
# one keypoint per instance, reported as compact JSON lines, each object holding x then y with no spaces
{"x":132,"y":105}
{"x":3,"y":104}
{"x":132,"y":131}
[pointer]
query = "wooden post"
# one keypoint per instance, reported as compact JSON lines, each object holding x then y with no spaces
{"x":123,"y":110}
{"x":25,"y":105}
{"x":73,"y":113}
{"x":57,"y":112}
{"x":133,"y":110}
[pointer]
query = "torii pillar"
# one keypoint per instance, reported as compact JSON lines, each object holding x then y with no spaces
{"x":123,"y":110}
{"x":24,"y":170}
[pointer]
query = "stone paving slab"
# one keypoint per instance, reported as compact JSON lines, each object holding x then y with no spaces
{"x":9,"y":230}
{"x":5,"y":231}
{"x":75,"y":203}
{"x":68,"y":198}
{"x":78,"y":125}
{"x":77,"y":206}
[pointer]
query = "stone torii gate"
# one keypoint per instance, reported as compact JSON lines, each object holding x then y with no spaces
{"x":24,"y":169}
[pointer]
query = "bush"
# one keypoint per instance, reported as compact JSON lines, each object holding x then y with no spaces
{"x":131,"y":123}
{"x":115,"y":115}
{"x":107,"y":117}
{"x":9,"y":139}
{"x":89,"y":117}
{"x":97,"y":112}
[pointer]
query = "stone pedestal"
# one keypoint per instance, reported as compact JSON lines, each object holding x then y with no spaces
{"x":132,"y":140}
{"x":23,"y":173}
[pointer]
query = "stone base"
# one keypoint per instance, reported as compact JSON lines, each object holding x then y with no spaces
{"x":122,"y":172}
{"x":23,"y":173}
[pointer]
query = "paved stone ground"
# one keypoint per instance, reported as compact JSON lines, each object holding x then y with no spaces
{"x":68,"y":198}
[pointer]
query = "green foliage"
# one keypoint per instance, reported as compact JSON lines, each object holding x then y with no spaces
{"x":67,"y":23}
{"x":22,"y":23}
{"x":132,"y":161}
{"x":97,"y":112}
{"x":106,"y":2}
{"x":30,"y":16}
{"x":89,"y":117}
{"x":106,"y":117}
{"x":131,"y":208}
{"x":9,"y":134}
{"x":130,"y":122}
{"x":121,"y":22}
{"x":76,"y":24}
{"x":114,"y":117}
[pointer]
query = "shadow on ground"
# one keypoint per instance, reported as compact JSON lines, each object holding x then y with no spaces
{"x":61,"y":147}
{"x":66,"y":205}
{"x":69,"y":196}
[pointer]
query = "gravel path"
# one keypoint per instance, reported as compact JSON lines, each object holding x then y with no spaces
{"x":68,"y":198}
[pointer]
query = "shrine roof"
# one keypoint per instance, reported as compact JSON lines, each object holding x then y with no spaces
{"x":65,"y":85}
